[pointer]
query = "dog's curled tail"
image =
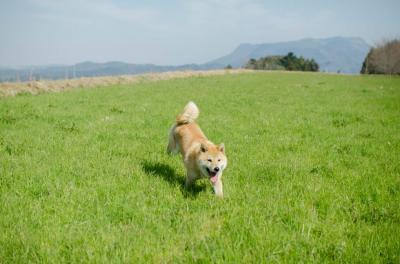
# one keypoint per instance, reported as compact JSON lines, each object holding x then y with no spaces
{"x":189,"y":114}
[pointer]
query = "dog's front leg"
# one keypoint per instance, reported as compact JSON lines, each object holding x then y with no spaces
{"x":218,"y":188}
{"x":190,"y":178}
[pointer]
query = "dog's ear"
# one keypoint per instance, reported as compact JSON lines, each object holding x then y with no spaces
{"x":203,"y":148}
{"x":221,"y":147}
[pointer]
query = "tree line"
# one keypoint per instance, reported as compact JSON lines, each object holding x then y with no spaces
{"x":290,"y":62}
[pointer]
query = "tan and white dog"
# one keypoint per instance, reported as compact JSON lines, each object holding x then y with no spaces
{"x":202,"y":158}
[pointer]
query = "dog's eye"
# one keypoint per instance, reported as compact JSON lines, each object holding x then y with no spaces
{"x":219,"y":160}
{"x":209,"y":160}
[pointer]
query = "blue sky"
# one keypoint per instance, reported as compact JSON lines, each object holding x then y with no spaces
{"x":39,"y":32}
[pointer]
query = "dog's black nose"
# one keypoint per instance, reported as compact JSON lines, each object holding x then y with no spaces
{"x":216,"y":169}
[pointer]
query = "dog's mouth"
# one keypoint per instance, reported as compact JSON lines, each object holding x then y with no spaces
{"x":213,"y":175}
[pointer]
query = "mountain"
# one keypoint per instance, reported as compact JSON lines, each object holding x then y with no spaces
{"x":90,"y":69}
{"x":332,"y":54}
{"x":344,"y":54}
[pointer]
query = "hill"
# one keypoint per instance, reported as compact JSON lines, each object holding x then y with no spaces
{"x":332,"y":54}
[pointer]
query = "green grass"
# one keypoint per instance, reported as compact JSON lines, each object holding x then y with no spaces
{"x":313,"y":173}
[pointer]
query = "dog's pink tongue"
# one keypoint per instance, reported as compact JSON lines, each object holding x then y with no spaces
{"x":214,"y":179}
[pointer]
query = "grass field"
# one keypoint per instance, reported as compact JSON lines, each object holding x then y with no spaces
{"x":313,"y":173}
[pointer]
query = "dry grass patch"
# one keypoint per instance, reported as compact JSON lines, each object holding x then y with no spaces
{"x":36,"y":87}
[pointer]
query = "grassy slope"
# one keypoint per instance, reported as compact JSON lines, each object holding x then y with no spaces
{"x":313,"y":172}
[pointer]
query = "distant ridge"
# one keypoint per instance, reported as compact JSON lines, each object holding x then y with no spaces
{"x":336,"y":54}
{"x":90,"y":69}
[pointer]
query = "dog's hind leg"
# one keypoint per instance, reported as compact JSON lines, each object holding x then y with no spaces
{"x":173,"y":146}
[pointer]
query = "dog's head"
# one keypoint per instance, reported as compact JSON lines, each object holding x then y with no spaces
{"x":212,"y":161}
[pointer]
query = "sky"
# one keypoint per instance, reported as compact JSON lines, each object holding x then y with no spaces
{"x":173,"y":32}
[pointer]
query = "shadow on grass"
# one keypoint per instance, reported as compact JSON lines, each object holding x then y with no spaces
{"x":168,"y":174}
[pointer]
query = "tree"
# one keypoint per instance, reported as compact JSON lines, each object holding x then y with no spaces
{"x":384,"y":58}
{"x":313,"y":65}
{"x":228,"y":67}
{"x":251,"y":64}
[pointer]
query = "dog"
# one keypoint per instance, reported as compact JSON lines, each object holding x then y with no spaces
{"x":201,"y":157}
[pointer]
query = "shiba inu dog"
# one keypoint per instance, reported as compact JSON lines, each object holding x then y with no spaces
{"x":202,"y":158}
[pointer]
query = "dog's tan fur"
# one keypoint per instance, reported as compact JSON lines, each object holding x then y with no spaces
{"x":202,"y":158}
